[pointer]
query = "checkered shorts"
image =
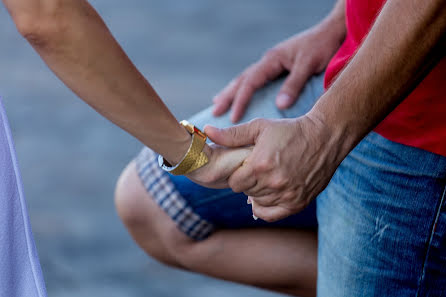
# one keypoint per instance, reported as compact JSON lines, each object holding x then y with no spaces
{"x":157,"y":183}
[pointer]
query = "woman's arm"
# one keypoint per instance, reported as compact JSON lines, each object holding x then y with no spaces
{"x":75,"y":43}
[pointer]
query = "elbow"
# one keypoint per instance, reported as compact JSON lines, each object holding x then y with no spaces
{"x":32,"y":30}
{"x":39,"y":29}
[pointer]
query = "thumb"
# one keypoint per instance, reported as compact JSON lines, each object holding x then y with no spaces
{"x":236,"y":136}
{"x":291,"y":88}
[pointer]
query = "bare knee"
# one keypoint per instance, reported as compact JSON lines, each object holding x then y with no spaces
{"x":129,"y":198}
{"x":149,"y":226}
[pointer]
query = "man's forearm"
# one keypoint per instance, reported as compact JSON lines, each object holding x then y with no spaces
{"x":335,"y":21}
{"x":406,"y":38}
{"x":75,"y":43}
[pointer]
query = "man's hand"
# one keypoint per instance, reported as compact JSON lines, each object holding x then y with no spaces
{"x":302,"y":56}
{"x":292,"y":162}
{"x":222,"y":163}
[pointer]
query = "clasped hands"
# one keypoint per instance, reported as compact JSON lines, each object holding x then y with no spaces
{"x":282,"y":165}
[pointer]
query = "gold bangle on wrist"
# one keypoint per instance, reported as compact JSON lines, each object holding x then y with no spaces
{"x":195,"y":157}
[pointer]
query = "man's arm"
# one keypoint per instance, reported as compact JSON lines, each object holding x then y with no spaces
{"x":406,"y":41}
{"x":293,"y":160}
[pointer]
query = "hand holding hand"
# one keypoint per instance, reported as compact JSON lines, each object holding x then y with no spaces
{"x":222,"y":163}
{"x":292,"y":162}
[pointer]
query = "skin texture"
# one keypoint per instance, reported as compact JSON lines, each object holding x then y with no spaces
{"x":293,"y":160}
{"x":103,"y":76}
{"x":281,"y":260}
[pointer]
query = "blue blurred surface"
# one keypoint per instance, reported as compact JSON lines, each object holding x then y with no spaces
{"x":70,"y":157}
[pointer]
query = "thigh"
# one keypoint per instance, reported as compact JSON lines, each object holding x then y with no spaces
{"x":263,"y":105}
{"x":382,"y":223}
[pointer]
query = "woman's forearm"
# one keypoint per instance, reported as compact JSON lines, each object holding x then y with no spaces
{"x":77,"y":46}
{"x":407,"y":39}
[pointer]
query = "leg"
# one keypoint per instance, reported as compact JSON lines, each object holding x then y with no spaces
{"x":149,"y":226}
{"x":382,"y":223}
{"x":278,"y":259}
{"x":282,"y":260}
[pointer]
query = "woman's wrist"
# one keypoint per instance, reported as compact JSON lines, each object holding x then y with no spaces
{"x":179,"y":147}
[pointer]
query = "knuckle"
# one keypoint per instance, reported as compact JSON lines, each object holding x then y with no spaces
{"x":248,"y":86}
{"x":288,"y":196}
{"x":263,"y":165}
{"x":278,"y":182}
{"x":234,"y":185}
{"x":234,"y":132}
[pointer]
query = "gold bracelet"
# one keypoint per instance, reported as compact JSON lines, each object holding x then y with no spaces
{"x":195,"y":157}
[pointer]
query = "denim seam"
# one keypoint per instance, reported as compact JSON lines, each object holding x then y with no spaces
{"x":423,"y":271}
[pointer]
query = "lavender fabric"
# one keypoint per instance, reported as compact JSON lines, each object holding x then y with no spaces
{"x":20,"y":273}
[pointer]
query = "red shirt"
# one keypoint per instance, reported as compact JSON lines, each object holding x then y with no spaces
{"x":420,"y":120}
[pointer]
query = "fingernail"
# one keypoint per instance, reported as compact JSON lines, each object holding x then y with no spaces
{"x":283,"y":100}
{"x":248,"y":201}
{"x":254,"y":217}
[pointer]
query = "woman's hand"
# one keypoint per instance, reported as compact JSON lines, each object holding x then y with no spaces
{"x":222,"y":163}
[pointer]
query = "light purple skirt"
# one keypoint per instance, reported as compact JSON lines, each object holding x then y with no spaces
{"x":20,"y":272}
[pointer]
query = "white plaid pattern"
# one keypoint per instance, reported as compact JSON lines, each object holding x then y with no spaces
{"x":158,"y":184}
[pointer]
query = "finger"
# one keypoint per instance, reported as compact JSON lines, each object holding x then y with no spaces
{"x":242,"y":179}
{"x":222,"y":106}
{"x":267,"y":200}
{"x":241,"y":101}
{"x":268,"y":68}
{"x":270,"y":214}
{"x":236,"y":136}
{"x":259,"y":190}
{"x":293,"y":85}
{"x":224,"y":99}
{"x":228,"y":89}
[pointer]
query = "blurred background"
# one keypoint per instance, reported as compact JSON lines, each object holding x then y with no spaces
{"x":70,"y":157}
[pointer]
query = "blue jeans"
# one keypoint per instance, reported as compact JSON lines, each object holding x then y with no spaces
{"x":382,"y":223}
{"x":381,"y":220}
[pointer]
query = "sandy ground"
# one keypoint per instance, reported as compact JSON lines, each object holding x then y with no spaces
{"x":70,"y":157}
